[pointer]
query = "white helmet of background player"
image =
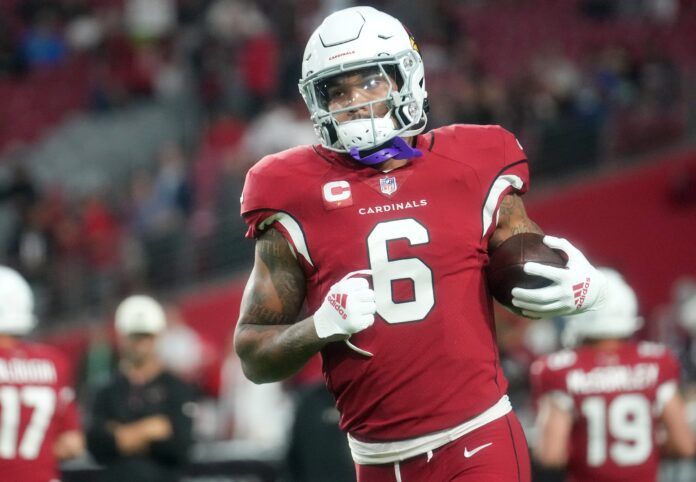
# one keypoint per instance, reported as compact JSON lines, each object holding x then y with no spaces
{"x":16,"y":304}
{"x":617,"y":318}
{"x":361,"y":38}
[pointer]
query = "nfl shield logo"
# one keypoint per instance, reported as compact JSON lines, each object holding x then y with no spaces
{"x":388,"y":185}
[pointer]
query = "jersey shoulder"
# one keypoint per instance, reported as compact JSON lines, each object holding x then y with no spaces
{"x":489,"y":151}
{"x":42,"y":350}
{"x":59,"y":359}
{"x":272,"y":182}
{"x":548,"y":373}
{"x":492,"y":143}
{"x":650,"y":349}
{"x":647,"y":351}
{"x":476,"y":134}
{"x":555,"y":362}
{"x":288,"y":161}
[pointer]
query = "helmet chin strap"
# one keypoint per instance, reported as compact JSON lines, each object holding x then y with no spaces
{"x":396,"y":148}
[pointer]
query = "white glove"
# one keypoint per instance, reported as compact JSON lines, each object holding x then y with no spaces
{"x":576,"y":288}
{"x":348,"y":308}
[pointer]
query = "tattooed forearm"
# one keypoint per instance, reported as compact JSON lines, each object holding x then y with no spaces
{"x":507,"y":206}
{"x":525,"y":226}
{"x":257,"y":314}
{"x":512,"y":220}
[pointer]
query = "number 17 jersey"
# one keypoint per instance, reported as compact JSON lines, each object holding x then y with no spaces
{"x":422,"y":230}
{"x":37,"y":405}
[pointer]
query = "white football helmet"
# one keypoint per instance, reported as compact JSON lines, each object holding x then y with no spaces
{"x":360,"y":38}
{"x":617,"y":318}
{"x":16,"y":304}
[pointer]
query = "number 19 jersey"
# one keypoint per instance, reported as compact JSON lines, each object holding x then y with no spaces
{"x":423,"y":230}
{"x":36,"y":405}
{"x":616,"y":398}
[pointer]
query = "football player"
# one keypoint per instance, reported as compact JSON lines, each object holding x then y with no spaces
{"x":39,"y":424}
{"x":602,"y":404}
{"x":382,"y":233}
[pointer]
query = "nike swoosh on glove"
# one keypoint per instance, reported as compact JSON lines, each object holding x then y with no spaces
{"x":348,"y":308}
{"x":576,"y":288}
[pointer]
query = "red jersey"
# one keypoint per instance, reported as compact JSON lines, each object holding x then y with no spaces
{"x":616,"y":398}
{"x":36,"y":405}
{"x":423,"y":230}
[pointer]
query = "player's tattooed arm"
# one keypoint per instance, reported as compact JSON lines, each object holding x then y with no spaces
{"x":269,"y":340}
{"x":276,"y":288}
{"x":512,"y":219}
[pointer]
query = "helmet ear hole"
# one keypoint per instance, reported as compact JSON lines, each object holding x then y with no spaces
{"x":410,"y":111}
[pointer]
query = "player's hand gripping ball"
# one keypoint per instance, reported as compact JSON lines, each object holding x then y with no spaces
{"x":505,"y":269}
{"x":544,"y":277}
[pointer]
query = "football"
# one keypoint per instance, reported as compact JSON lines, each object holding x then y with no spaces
{"x":505,"y":267}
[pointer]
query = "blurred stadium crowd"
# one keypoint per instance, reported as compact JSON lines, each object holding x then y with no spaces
{"x":576,"y":98}
{"x":128,"y":126}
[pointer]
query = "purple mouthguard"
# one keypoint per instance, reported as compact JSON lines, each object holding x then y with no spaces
{"x":396,"y":148}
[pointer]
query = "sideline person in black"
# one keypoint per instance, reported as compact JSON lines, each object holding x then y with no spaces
{"x":141,"y":421}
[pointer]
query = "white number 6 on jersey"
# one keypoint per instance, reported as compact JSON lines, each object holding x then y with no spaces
{"x":385,"y":271}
